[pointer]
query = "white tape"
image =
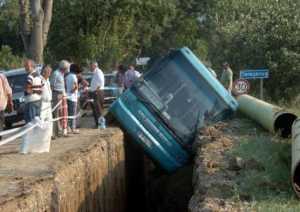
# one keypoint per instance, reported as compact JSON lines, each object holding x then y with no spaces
{"x":6,"y":132}
{"x":56,"y":106}
{"x":66,"y":117}
{"x":31,"y":125}
{"x":23,"y":132}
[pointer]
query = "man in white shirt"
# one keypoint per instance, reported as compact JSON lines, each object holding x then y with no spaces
{"x":96,"y":92}
{"x":98,"y":77}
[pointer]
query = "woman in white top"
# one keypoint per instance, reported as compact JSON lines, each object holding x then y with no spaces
{"x":46,"y":108}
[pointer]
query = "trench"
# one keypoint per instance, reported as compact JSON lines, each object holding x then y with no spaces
{"x":149,"y":188}
{"x":95,"y":171}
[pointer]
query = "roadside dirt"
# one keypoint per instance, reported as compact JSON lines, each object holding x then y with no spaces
{"x":215,"y":170}
{"x":76,"y":175}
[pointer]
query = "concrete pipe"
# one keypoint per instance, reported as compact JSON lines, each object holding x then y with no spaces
{"x":271,"y":117}
{"x":296,"y":157}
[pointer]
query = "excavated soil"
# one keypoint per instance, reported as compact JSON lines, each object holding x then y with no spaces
{"x":215,"y":170}
{"x":84,"y":172}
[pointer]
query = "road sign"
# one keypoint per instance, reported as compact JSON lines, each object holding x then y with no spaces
{"x":241,"y":86}
{"x":254,"y":74}
{"x":142,"y":60}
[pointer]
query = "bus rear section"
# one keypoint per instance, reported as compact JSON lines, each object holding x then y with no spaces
{"x":164,"y":108}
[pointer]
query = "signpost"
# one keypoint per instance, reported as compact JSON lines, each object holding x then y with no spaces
{"x":241,"y":86}
{"x":256,"y":74}
{"x":142,"y":60}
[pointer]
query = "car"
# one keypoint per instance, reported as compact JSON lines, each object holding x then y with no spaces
{"x":16,"y":79}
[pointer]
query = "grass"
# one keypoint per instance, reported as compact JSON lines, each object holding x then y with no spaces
{"x":267,"y":184}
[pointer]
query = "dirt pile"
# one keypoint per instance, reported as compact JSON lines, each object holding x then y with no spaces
{"x":214,"y":170}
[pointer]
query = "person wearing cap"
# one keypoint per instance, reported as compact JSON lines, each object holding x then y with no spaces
{"x":226,"y":77}
{"x":32,"y":91}
{"x":96,"y":92}
{"x":59,"y":94}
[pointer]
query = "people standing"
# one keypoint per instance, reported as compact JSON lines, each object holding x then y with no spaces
{"x":120,"y":78}
{"x":96,"y":93}
{"x":32,"y":92}
{"x":59,"y":96}
{"x":72,"y":96}
{"x":227,"y":77}
{"x":6,"y":102}
{"x":131,"y":76}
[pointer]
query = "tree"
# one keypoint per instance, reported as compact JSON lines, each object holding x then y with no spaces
{"x":258,"y":34}
{"x":8,"y":60}
{"x":120,"y":30}
{"x":9,"y":30}
{"x":35,"y":20}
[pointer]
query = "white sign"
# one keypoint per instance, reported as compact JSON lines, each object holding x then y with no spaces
{"x":241,"y":86}
{"x":142,"y":60}
{"x":254,"y":74}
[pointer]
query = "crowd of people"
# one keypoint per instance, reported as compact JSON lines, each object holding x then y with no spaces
{"x":45,"y":91}
{"x":55,"y":95}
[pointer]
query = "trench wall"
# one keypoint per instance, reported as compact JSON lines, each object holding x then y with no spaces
{"x":81,"y":173}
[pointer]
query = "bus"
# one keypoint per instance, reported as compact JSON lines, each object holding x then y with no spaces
{"x":166,"y":106}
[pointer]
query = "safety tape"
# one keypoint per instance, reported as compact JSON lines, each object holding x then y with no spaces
{"x":56,"y":106}
{"x":7,"y":132}
{"x":27,"y":128}
{"x":66,"y":117}
{"x":30,"y":126}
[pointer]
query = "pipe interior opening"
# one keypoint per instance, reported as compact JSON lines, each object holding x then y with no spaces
{"x":283,"y":124}
{"x":296,"y":179}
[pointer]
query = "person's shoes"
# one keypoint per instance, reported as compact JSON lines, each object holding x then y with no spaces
{"x":65,"y":133}
{"x":53,"y":137}
{"x":75,"y":131}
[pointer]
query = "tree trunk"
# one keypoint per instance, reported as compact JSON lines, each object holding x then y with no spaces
{"x":35,"y":18}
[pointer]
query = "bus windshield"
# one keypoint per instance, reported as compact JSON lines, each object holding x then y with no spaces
{"x":182,"y":98}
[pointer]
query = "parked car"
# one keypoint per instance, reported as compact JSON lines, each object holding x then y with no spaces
{"x":16,"y":79}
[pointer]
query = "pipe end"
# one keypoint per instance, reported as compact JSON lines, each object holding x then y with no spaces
{"x":283,"y":124}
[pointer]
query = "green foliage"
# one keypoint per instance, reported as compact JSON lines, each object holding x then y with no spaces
{"x":121,"y":30}
{"x":258,"y":34}
{"x":9,"y":30}
{"x":247,"y":34}
{"x":267,"y":184}
{"x":8,"y":60}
